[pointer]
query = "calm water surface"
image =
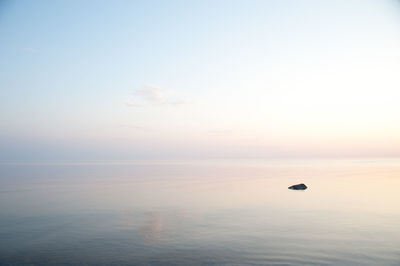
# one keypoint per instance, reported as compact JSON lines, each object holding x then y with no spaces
{"x":201,"y":213}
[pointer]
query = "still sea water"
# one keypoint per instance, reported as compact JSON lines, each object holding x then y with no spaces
{"x":201,"y":213}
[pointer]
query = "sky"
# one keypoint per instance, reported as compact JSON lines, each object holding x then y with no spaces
{"x":123,"y":80}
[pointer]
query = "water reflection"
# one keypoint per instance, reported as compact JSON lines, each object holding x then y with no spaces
{"x":190,"y":214}
{"x":161,"y":226}
{"x":153,"y":230}
{"x":127,"y":220}
{"x":155,"y":226}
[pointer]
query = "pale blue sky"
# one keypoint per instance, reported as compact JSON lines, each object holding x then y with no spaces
{"x":187,"y":79}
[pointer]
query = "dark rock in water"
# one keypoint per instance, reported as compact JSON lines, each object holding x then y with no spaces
{"x":298,"y":187}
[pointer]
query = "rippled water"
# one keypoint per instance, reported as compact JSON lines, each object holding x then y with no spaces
{"x":201,"y":213}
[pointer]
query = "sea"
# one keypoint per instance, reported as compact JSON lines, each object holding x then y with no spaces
{"x":200,"y":212}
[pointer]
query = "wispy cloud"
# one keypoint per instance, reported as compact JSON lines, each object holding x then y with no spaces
{"x":131,"y":104}
{"x":178,"y":102}
{"x":219,"y":132}
{"x":130,"y":126}
{"x":30,"y":49}
{"x":150,"y":95}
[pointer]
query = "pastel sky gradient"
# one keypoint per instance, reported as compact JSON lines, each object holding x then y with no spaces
{"x":101,"y":80}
